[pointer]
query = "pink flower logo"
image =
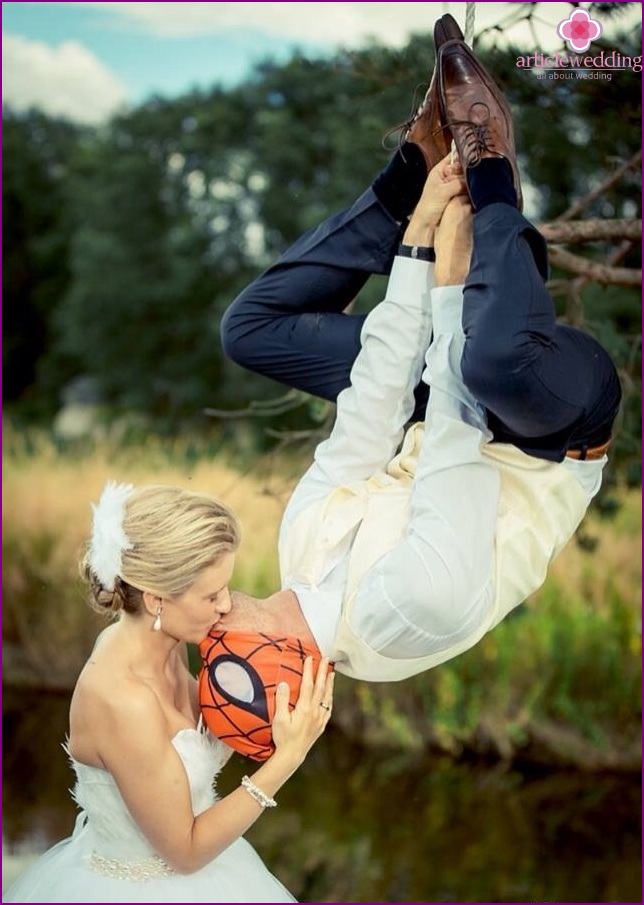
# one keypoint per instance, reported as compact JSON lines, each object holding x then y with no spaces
{"x":578,"y":30}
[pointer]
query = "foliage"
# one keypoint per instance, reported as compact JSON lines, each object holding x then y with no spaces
{"x":127,"y":242}
{"x":361,"y":825}
{"x":36,"y":235}
{"x":559,"y":681}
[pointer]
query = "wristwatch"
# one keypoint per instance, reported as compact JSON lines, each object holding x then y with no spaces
{"x":419,"y":252}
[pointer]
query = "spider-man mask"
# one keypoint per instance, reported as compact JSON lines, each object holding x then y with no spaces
{"x":241,"y":672}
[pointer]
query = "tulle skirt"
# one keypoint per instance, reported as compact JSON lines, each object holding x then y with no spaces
{"x":64,"y":874}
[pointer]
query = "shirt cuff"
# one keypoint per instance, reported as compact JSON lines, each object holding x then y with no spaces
{"x":410,"y":282}
{"x":447,"y":308}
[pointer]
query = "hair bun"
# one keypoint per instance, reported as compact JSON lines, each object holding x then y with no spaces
{"x":102,"y":599}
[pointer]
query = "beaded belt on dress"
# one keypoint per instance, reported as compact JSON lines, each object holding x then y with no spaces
{"x":146,"y":869}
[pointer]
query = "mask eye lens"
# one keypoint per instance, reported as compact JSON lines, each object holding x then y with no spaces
{"x":234,"y":681}
{"x":239,"y":683}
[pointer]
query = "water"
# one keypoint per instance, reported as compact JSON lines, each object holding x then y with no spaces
{"x":370,"y":826}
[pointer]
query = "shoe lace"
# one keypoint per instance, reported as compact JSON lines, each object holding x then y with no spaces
{"x":403,"y":128}
{"x":476,"y":139}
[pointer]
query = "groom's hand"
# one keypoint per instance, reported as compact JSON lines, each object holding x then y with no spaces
{"x":453,"y":243}
{"x":443,"y":183}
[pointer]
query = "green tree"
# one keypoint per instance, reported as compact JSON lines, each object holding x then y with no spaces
{"x":37,"y":152}
{"x":176,"y":206}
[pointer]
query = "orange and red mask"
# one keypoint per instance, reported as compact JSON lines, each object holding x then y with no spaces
{"x":237,"y":684}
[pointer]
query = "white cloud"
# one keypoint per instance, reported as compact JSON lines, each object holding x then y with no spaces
{"x":331,"y":23}
{"x":63,"y":81}
{"x":341,"y":23}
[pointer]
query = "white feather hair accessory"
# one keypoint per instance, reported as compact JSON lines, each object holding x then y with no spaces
{"x":109,"y":540}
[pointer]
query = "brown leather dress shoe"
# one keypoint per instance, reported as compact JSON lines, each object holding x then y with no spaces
{"x":474,"y":109}
{"x":425,"y":128}
{"x":446,"y":29}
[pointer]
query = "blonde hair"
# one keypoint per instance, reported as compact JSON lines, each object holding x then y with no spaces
{"x":175,"y":534}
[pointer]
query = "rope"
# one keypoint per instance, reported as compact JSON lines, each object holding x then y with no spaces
{"x":470,"y":15}
{"x":468,"y":36}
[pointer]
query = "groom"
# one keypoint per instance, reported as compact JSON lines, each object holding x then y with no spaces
{"x":392,"y":564}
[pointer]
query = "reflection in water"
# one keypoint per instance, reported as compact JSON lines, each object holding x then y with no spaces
{"x":369,"y":826}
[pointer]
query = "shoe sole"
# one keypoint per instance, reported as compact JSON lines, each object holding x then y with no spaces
{"x":446,"y":29}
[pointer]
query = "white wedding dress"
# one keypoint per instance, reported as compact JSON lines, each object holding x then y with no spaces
{"x":107,"y":859}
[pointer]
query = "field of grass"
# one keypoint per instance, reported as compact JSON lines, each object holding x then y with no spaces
{"x":558,"y":682}
{"x":48,"y":629}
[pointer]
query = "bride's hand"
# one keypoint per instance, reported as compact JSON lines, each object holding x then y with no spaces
{"x":295,"y":731}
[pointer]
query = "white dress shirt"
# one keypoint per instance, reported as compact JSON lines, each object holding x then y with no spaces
{"x":447,"y":550}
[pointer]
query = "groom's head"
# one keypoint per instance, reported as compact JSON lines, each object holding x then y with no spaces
{"x":237,"y":684}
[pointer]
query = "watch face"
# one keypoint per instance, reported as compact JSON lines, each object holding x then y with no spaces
{"x":420,"y":252}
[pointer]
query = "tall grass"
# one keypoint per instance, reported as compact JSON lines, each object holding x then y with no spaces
{"x":48,"y":629}
{"x":559,"y":680}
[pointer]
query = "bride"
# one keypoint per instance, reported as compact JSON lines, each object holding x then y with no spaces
{"x":151,"y":828}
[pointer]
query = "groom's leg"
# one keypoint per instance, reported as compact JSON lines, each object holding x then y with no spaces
{"x":289,"y":323}
{"x":548,"y":387}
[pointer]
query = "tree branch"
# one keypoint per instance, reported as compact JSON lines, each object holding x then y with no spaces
{"x":615,"y":257}
{"x":603,"y":187}
{"x":262,"y":409}
{"x":595,"y":270}
{"x":595,"y":230}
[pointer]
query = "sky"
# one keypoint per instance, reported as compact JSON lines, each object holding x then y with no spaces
{"x":86,"y":61}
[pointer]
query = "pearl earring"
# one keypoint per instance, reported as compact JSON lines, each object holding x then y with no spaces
{"x":156,"y":625}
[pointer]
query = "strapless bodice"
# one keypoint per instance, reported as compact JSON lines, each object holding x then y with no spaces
{"x":108,"y":826}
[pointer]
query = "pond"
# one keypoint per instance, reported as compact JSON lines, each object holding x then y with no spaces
{"x":360,"y":825}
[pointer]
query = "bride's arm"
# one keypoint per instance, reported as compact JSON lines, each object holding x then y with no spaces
{"x":136,"y":750}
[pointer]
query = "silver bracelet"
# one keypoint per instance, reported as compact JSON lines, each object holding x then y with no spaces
{"x":260,"y":797}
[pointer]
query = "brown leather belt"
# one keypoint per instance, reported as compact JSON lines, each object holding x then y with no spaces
{"x":595,"y":452}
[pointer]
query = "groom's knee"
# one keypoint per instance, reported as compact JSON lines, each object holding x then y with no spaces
{"x":238,"y":339}
{"x":493,"y":368}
